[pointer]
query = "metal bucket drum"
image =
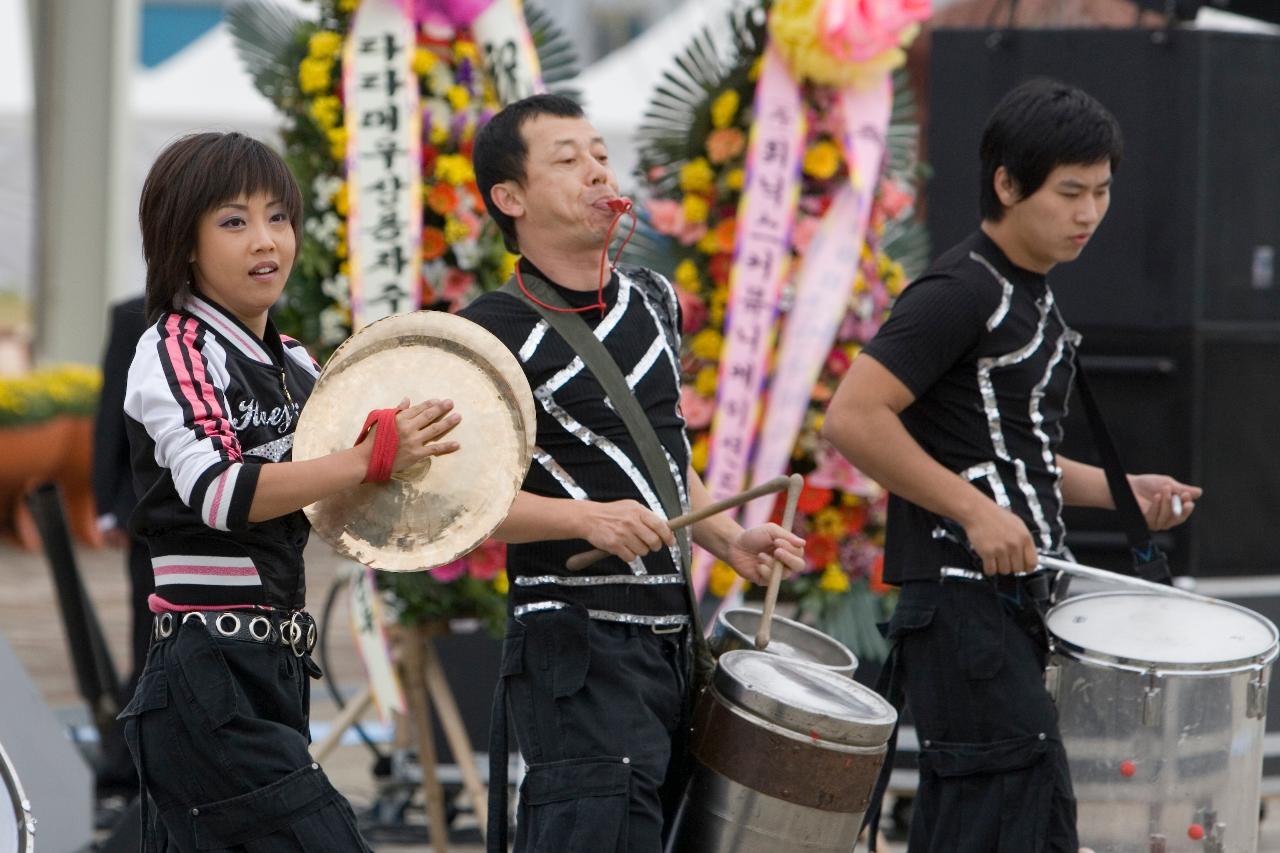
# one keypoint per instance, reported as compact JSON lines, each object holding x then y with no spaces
{"x":787,"y":755}
{"x":1162,"y":705}
{"x":17,"y":825}
{"x":736,"y":628}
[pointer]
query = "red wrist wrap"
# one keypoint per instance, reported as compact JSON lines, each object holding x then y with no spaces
{"x":385,"y":443}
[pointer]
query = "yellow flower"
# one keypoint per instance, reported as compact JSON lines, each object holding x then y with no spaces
{"x":341,"y":200}
{"x":695,"y":209}
{"x":833,"y":579}
{"x":465,"y":50}
{"x":344,"y":268}
{"x":706,"y":345}
{"x":314,"y":75}
{"x":439,"y":133}
{"x":724,"y":108}
{"x":324,"y":44}
{"x":423,"y":61}
{"x":454,"y":169}
{"x":500,"y":583}
{"x":337,"y":143}
{"x":508,"y":267}
{"x":348,"y":5}
{"x":687,"y":274}
{"x":754,"y":74}
{"x":454,"y":231}
{"x":340,"y":250}
{"x":735,"y":179}
{"x":850,"y":499}
{"x":696,"y":176}
{"x":341,"y":232}
{"x":709,"y":244}
{"x":822,"y":160}
{"x":698,"y":454}
{"x":326,"y":110}
{"x":829,"y":522}
{"x":721,"y":580}
{"x":458,"y":97}
{"x":705,"y":383}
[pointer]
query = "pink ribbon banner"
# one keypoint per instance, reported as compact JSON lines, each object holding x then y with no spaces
{"x":761,"y":258}
{"x":384,"y":177}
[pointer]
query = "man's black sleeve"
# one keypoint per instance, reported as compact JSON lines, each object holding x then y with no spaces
{"x":936,"y":322}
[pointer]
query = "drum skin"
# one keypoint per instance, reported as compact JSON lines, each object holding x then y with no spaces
{"x":1164,"y":741}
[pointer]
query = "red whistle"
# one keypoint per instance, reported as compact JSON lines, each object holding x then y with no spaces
{"x":619,"y":205}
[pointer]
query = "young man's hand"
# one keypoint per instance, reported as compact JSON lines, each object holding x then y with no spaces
{"x":753,"y":552}
{"x":1156,"y":493}
{"x":1001,"y":540}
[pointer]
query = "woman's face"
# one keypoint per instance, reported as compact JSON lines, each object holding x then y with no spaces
{"x":244,"y":251}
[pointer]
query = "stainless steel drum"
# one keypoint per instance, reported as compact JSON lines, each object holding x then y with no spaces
{"x":786,"y":757}
{"x":1162,"y":704}
{"x":736,"y":628}
{"x":17,"y":825}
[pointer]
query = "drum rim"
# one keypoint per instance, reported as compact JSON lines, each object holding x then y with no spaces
{"x":809,"y":739}
{"x":769,"y":708}
{"x":722,"y":620}
{"x":21,"y":805}
{"x":1076,"y":651}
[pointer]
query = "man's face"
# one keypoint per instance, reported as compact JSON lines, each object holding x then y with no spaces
{"x":1054,"y":223}
{"x":562,"y":200}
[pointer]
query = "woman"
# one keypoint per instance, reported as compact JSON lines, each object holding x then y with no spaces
{"x":218,"y":725}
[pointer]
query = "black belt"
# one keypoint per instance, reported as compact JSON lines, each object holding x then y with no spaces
{"x":294,"y":629}
{"x":1036,"y":585}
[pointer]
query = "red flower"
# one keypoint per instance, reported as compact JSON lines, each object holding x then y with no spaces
{"x":875,"y":579}
{"x":487,"y":561}
{"x":719,"y":267}
{"x":433,"y":243}
{"x":442,"y":198}
{"x":819,"y":550}
{"x":450,"y":572}
{"x":812,"y":499}
{"x":693,"y":312}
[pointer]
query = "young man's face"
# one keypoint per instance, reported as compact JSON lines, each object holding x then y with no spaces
{"x":1053,"y":224}
{"x":567,"y":184}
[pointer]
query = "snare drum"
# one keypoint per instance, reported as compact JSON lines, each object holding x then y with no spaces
{"x":1162,"y":706}
{"x":17,"y":825}
{"x":736,"y":628}
{"x":786,"y":758}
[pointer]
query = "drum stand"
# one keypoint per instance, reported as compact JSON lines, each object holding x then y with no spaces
{"x":425,"y":685}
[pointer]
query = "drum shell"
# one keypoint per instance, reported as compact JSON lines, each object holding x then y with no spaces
{"x":735,"y":628}
{"x":1156,"y":748}
{"x":758,"y":787}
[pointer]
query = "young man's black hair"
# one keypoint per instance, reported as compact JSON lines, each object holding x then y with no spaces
{"x":500,"y":152}
{"x":1037,"y":127}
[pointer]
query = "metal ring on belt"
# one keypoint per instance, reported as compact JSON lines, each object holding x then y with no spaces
{"x":296,"y":630}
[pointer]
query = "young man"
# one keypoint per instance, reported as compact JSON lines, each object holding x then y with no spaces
{"x":956,"y":407}
{"x":596,"y":663}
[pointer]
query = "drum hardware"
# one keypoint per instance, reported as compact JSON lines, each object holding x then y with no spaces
{"x":578,"y":562}
{"x":1257,"y":697}
{"x":18,"y":820}
{"x":794,"y":484}
{"x":1052,"y":674}
{"x":1105,"y":576}
{"x":1151,"y":703}
{"x":1158,"y":844}
{"x":430,"y":514}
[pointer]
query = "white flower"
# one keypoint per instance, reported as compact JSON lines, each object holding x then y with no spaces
{"x":323,"y":188}
{"x":333,"y":325}
{"x":433,"y":272}
{"x":338,"y":289}
{"x":467,"y":253}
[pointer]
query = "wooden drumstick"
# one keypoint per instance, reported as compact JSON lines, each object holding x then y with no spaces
{"x":578,"y":562}
{"x":796,"y":483}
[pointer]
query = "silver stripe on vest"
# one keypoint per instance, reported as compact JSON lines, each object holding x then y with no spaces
{"x":1006,"y":292}
{"x":605,"y":615}
{"x":597,"y":580}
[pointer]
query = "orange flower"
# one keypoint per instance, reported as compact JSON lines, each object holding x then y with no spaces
{"x":442,"y":198}
{"x":813,"y":499}
{"x":725,"y":233}
{"x":725,"y":144}
{"x":433,"y":243}
{"x":875,"y":578}
{"x":819,"y":550}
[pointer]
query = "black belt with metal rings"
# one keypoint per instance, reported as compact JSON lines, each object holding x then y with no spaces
{"x":295,"y":629}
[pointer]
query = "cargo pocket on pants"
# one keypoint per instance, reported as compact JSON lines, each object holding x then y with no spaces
{"x":1019,"y":771}
{"x":577,"y":806}
{"x":250,"y":820}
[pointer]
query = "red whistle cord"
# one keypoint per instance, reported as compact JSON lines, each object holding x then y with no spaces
{"x":621,"y":207}
{"x":386,"y":441}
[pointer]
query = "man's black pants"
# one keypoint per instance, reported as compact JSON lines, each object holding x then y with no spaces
{"x":600,"y":710}
{"x":218,"y":731}
{"x":993,"y":772}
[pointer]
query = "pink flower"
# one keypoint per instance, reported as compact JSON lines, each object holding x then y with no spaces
{"x":693,"y":310}
{"x":802,"y":235}
{"x":487,"y":561}
{"x":450,"y":572}
{"x":893,"y":198}
{"x":838,"y":362}
{"x":666,"y":216}
{"x":859,"y":30}
{"x":833,"y":471}
{"x":456,"y":285}
{"x":697,"y":410}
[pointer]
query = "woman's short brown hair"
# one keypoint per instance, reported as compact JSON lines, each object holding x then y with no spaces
{"x":194,"y":175}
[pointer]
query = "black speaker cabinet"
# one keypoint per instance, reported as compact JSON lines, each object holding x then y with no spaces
{"x":1195,"y":212}
{"x":1176,"y":295}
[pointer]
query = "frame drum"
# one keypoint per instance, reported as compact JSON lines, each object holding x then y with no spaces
{"x":1162,"y":707}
